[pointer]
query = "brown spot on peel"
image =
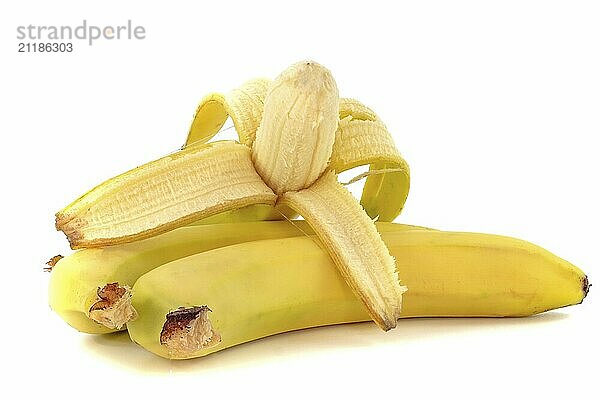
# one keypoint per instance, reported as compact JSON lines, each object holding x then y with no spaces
{"x":112,"y":307}
{"x":188,"y":330}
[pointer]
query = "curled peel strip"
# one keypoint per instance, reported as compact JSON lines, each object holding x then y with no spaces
{"x":368,"y":142}
{"x":244,"y":105}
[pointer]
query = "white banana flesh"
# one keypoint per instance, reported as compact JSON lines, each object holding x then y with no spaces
{"x":295,"y":138}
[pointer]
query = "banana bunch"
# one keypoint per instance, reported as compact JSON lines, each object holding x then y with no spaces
{"x":202,"y":249}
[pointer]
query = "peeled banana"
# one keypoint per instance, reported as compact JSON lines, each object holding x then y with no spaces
{"x":291,"y":164}
{"x":210,"y":301}
{"x":90,"y":289}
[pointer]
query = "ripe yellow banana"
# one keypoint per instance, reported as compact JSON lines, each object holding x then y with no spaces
{"x":291,"y":161}
{"x":217,"y":299}
{"x":90,"y":289}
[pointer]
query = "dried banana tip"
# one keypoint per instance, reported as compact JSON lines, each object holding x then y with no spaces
{"x":188,"y":330}
{"x":585,"y":287}
{"x":52,"y":262}
{"x":112,"y":307}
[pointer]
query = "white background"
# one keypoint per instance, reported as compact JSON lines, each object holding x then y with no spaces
{"x":495,"y":105}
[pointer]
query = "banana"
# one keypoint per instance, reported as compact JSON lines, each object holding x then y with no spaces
{"x":291,"y":163}
{"x":221,"y":298}
{"x":91,"y":288}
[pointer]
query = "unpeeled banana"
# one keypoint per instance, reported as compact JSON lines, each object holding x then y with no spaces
{"x":90,"y":289}
{"x":210,"y":301}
